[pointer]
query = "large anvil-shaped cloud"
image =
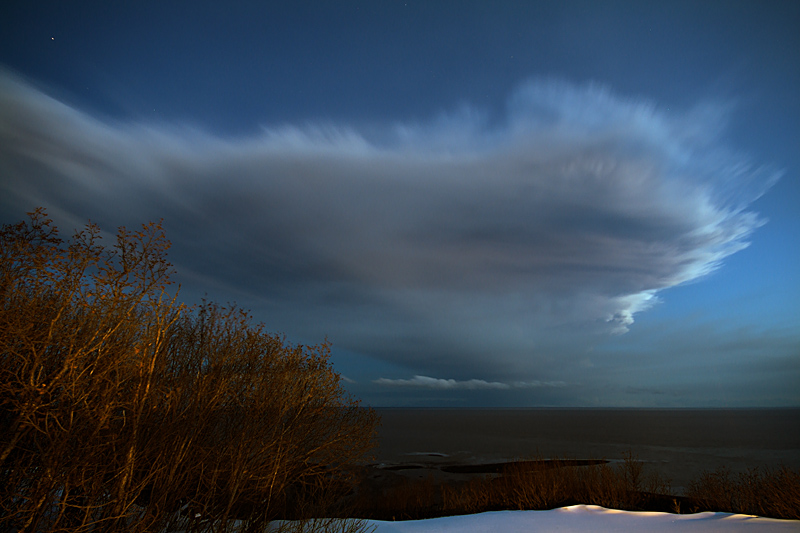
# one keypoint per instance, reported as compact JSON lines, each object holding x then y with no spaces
{"x":459,"y":239}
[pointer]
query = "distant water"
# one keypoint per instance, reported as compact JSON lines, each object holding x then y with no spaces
{"x":678,"y":443}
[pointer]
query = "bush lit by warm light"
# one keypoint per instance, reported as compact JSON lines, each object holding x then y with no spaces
{"x":121,"y":407}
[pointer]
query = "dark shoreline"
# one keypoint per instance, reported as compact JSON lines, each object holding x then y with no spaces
{"x":492,"y":468}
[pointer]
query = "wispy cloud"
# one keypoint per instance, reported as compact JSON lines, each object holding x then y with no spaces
{"x":472,"y":384}
{"x":430,"y":244}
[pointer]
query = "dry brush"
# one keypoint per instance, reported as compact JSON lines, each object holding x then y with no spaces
{"x":120,"y":407}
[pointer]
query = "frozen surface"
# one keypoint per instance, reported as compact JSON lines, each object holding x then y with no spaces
{"x":583,"y":518}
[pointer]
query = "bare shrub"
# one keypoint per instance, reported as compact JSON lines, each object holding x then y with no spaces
{"x":118,"y":407}
{"x":759,"y":491}
{"x":273,"y":434}
{"x":524,"y":485}
{"x":541,"y":484}
{"x":406,"y":500}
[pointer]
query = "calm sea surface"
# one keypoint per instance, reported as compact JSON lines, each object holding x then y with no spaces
{"x":678,"y":443}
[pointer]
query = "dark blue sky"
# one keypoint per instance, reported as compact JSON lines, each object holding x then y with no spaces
{"x":505,"y":203}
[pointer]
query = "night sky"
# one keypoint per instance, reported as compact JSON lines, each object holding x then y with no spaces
{"x":477,"y":203}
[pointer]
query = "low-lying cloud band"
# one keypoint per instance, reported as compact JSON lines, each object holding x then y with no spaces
{"x":472,"y":384}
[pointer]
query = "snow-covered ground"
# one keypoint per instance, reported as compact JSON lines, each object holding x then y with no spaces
{"x":585,"y":518}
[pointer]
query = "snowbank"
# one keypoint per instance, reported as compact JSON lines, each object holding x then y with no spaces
{"x":583,"y":518}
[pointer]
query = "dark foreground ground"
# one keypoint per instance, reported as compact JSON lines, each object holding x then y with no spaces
{"x":433,"y":485}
